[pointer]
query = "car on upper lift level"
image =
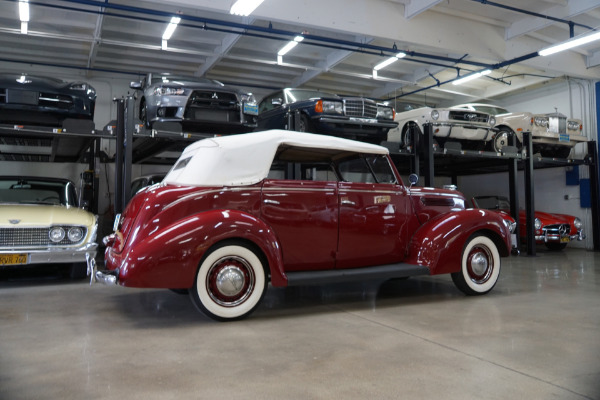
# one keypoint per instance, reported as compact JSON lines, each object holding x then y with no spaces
{"x":327,"y":113}
{"x":472,"y":129}
{"x":199,"y":104}
{"x":42,"y":100}
{"x":552,"y":134}
{"x":294,"y":208}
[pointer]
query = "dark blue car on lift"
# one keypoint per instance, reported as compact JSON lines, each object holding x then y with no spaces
{"x":326,"y":113}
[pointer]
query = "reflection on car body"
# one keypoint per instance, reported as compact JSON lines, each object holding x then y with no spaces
{"x":294,"y":208}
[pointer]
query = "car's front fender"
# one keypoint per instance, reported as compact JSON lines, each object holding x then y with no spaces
{"x":169,"y":258}
{"x":438,"y":243}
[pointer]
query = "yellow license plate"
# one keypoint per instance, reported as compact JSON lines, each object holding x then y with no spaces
{"x":564,"y":239}
{"x":13,"y":259}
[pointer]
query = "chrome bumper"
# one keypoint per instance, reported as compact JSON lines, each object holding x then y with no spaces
{"x":579,"y":236}
{"x":109,"y":278}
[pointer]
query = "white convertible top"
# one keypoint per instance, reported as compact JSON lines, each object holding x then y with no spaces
{"x":245,"y":159}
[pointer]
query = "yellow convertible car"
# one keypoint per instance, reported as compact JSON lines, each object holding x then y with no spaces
{"x":41,"y":223}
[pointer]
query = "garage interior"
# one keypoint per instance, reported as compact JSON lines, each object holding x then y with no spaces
{"x":536,"y":335}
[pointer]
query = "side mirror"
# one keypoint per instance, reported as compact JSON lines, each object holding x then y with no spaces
{"x":135,"y":85}
{"x":413,"y":179}
{"x":277,"y":102}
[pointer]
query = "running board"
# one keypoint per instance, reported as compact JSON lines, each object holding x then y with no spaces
{"x":380,"y":272}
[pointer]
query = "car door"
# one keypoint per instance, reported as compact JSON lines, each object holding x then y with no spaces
{"x":302,"y":209}
{"x":271,"y":113}
{"x":374,"y":209}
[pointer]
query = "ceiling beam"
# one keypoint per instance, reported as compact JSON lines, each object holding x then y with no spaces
{"x":416,"y":7}
{"x":531,"y":24}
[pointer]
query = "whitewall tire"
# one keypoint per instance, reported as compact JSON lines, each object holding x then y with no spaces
{"x":480,"y":266}
{"x":230,"y":282}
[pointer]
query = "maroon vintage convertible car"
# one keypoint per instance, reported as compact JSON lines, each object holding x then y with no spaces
{"x":290,"y":208}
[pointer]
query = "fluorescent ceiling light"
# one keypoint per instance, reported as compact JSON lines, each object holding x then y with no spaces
{"x":24,"y":10}
{"x":244,"y":7}
{"x":24,"y":15}
{"x":578,"y":41}
{"x":171,"y":28}
{"x":285,"y":49}
{"x":389,"y":61}
{"x":471,"y":77}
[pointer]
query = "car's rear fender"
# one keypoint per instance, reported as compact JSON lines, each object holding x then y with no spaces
{"x":439,"y":242}
{"x":169,"y":257}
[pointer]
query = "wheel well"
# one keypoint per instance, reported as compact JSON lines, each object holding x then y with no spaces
{"x":494,"y":237}
{"x":245,"y":243}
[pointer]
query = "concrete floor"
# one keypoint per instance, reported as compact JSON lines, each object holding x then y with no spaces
{"x":535,"y":336}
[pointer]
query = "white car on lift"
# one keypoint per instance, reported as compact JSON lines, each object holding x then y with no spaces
{"x":473,"y":129}
{"x":553,"y":134}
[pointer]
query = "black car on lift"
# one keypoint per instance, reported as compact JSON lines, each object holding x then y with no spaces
{"x":326,"y":113}
{"x":41,"y":100}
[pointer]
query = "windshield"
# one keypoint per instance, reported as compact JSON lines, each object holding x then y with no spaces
{"x":180,"y":78}
{"x":303,"y":94}
{"x":493,"y":110}
{"x":492,"y":202}
{"x":34,"y":191}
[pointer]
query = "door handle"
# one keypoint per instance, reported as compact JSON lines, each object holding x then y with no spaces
{"x":348,"y":202}
{"x":269,"y":201}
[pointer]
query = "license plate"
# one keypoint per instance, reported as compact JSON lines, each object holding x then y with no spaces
{"x":250,"y":109}
{"x":22,"y":97}
{"x":564,"y":239}
{"x":13,"y":259}
{"x":563,"y":137}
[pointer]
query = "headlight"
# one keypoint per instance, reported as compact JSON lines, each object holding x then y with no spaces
{"x":578,"y":224}
{"x":510,"y":225}
{"x":248,"y":98}
{"x":541,"y":121}
{"x":56,"y":234}
{"x":330,"y":107}
{"x":79,"y":86}
{"x":75,"y":234}
{"x":538,"y":224}
{"x":492,"y":120}
{"x":573,"y":125}
{"x":168,"y":91}
{"x":435,"y":114}
{"x":385,"y":112}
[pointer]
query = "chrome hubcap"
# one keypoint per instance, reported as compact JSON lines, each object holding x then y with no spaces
{"x":480,"y":264}
{"x":230,"y":281}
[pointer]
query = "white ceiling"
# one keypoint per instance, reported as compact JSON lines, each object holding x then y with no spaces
{"x":344,"y":40}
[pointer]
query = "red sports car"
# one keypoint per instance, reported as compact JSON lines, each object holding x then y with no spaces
{"x":292,"y":208}
{"x":553,"y":230}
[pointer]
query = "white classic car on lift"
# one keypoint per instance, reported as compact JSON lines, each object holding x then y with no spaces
{"x":553,"y":134}
{"x":473,"y":129}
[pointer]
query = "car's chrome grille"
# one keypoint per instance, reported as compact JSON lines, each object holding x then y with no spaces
{"x":358,"y":107}
{"x":33,"y":237}
{"x":557,"y":124}
{"x":468,"y":116}
{"x":212,"y":99}
{"x":558,"y":229}
{"x":55,"y":100}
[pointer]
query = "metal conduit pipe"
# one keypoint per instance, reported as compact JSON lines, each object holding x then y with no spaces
{"x":571,"y":24}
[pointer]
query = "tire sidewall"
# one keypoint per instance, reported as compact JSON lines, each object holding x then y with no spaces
{"x":202,"y":298}
{"x":488,"y":285}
